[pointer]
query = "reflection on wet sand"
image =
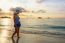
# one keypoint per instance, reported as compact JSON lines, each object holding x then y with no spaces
{"x":8,"y":40}
{"x":5,"y":31}
{"x":15,"y":41}
{"x":31,"y":38}
{"x":5,"y":40}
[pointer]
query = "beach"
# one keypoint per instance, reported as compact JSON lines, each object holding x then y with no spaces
{"x":33,"y":31}
{"x":32,"y":38}
{"x":36,"y":21}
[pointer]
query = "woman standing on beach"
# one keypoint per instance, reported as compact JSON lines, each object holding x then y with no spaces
{"x":17,"y":23}
{"x":16,"y":18}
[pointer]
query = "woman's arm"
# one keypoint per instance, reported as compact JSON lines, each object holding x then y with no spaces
{"x":14,"y":17}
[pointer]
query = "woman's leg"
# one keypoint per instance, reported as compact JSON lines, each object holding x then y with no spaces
{"x":14,"y":32}
{"x":17,"y":30}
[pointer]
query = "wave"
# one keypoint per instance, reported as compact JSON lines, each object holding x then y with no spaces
{"x":46,"y":33}
{"x":45,"y":26}
{"x":58,"y":27}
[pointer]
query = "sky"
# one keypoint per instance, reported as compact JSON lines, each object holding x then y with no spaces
{"x":52,"y":8}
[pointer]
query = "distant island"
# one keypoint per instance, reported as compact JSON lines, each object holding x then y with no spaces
{"x":39,"y":17}
{"x":48,"y":17}
{"x":5,"y":17}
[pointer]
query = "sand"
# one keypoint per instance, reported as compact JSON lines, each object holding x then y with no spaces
{"x":28,"y":37}
{"x":31,"y":38}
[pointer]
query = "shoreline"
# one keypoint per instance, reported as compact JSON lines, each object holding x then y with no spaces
{"x":35,"y":38}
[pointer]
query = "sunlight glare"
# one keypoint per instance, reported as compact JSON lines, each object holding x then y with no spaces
{"x":5,"y":21}
{"x":4,"y":33}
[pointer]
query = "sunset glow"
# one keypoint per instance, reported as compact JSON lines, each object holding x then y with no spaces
{"x":52,"y":8}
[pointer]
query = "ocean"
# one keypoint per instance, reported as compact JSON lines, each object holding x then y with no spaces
{"x":52,"y":27}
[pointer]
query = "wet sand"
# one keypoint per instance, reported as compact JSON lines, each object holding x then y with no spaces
{"x":31,"y":38}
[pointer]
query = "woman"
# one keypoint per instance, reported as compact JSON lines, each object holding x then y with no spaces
{"x":16,"y":23}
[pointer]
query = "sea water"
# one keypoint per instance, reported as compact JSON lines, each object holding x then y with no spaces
{"x":49,"y":27}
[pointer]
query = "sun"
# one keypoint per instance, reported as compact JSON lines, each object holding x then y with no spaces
{"x":5,"y":5}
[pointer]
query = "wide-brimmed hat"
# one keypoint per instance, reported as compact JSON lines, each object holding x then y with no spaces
{"x":17,"y":9}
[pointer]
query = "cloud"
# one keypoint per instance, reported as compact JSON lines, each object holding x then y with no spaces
{"x":18,"y":9}
{"x":40,"y":1}
{"x":41,"y":11}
